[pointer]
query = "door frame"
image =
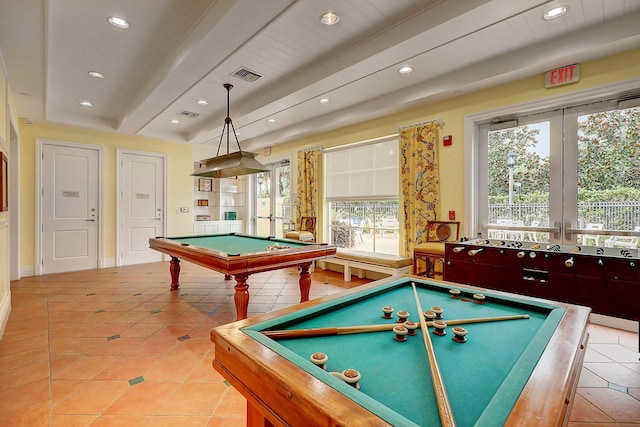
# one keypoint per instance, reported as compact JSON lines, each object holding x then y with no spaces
{"x":119,"y":154}
{"x":14,"y":197}
{"x":273,"y":163}
{"x":40,"y":145}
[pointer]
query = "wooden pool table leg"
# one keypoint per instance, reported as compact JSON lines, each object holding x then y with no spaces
{"x":241,"y":296}
{"x":255,"y":418}
{"x":174,"y":269}
{"x":305,"y":281}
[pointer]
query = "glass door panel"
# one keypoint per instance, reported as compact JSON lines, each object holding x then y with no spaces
{"x":607,"y":174}
{"x":263,"y":203}
{"x":273,"y":200}
{"x":519,"y":180}
{"x":282,"y":198}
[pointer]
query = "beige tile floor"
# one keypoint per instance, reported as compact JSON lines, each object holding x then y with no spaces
{"x":116,"y":347}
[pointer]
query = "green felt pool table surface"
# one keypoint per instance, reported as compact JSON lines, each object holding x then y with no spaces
{"x":484,"y":377}
{"x":232,"y":244}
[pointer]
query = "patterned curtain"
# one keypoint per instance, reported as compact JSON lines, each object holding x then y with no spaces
{"x":420,"y":180}
{"x":308,"y":177}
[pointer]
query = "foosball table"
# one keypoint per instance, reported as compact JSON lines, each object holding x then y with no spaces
{"x":605,"y":279}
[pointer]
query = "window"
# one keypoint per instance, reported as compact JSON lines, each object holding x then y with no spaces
{"x":362,"y":196}
{"x":570,"y":175}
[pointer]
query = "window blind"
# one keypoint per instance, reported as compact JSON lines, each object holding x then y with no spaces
{"x":363,"y":172}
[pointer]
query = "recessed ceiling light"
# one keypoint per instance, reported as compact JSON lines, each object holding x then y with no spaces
{"x":556,"y":12}
{"x":86,"y":104}
{"x":329,"y":18}
{"x":271,"y":120}
{"x":118,"y":22}
{"x":324,"y":100}
{"x":202,"y":102}
{"x":405,"y":70}
{"x":174,"y":121}
{"x":96,"y":75}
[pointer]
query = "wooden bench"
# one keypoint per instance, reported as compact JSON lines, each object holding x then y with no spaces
{"x":367,"y":261}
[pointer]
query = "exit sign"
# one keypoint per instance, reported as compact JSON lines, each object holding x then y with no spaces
{"x":562,"y":76}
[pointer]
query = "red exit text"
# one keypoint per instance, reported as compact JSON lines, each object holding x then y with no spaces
{"x":562,"y":76}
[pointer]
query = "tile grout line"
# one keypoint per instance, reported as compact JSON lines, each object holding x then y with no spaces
{"x":49,"y":361}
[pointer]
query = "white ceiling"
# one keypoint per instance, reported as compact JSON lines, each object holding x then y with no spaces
{"x":178,"y":51}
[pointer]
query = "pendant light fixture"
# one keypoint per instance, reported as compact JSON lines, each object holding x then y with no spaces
{"x":230,"y":164}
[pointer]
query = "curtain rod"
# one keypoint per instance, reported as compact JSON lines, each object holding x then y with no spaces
{"x":426,"y":122}
{"x":315,"y":147}
{"x":360,"y":143}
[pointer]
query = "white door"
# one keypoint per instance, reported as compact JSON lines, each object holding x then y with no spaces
{"x":70,"y":219}
{"x":142,"y":201}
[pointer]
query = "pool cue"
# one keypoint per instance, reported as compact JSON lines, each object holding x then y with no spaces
{"x":283,"y":334}
{"x":444,"y":406}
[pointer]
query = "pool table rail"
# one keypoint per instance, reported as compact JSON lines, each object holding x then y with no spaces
{"x":249,"y":263}
{"x":242,"y":265}
{"x":290,"y":391}
{"x":279,"y":393}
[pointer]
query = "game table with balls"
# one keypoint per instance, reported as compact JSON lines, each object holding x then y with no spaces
{"x":495,"y":372}
{"x":240,"y":255}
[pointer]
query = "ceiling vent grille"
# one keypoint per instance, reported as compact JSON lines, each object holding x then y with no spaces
{"x":189,"y":114}
{"x":246,"y":74}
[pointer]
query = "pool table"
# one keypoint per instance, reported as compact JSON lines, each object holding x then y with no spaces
{"x":240,"y":255}
{"x":512,"y":372}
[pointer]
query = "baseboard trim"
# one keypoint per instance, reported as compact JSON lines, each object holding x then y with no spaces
{"x":31,"y":271}
{"x":27,"y":271}
{"x":5,"y":310}
{"x":614,"y":322}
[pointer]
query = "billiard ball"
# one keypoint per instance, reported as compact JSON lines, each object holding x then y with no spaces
{"x":479,"y":298}
{"x":455,"y":293}
{"x":400,"y":333}
{"x":319,"y":359}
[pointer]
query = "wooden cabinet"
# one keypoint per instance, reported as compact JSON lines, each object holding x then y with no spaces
{"x":608,"y":284}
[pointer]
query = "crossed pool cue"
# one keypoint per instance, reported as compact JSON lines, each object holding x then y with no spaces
{"x":361,"y":329}
{"x":444,"y":406}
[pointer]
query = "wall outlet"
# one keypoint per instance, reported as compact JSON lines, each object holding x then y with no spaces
{"x":184,"y":209}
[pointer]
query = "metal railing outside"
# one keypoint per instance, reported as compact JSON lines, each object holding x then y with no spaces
{"x":614,"y":215}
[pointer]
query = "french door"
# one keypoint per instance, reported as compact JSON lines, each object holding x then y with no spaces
{"x":273,"y":200}
{"x":568,"y":176}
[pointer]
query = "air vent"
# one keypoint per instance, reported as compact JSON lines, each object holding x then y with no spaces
{"x":189,"y":114}
{"x":246,"y":75}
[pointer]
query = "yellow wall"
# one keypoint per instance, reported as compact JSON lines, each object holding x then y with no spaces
{"x":453,"y":111}
{"x":615,"y":68}
{"x":179,"y":192}
{"x":5,"y":302}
